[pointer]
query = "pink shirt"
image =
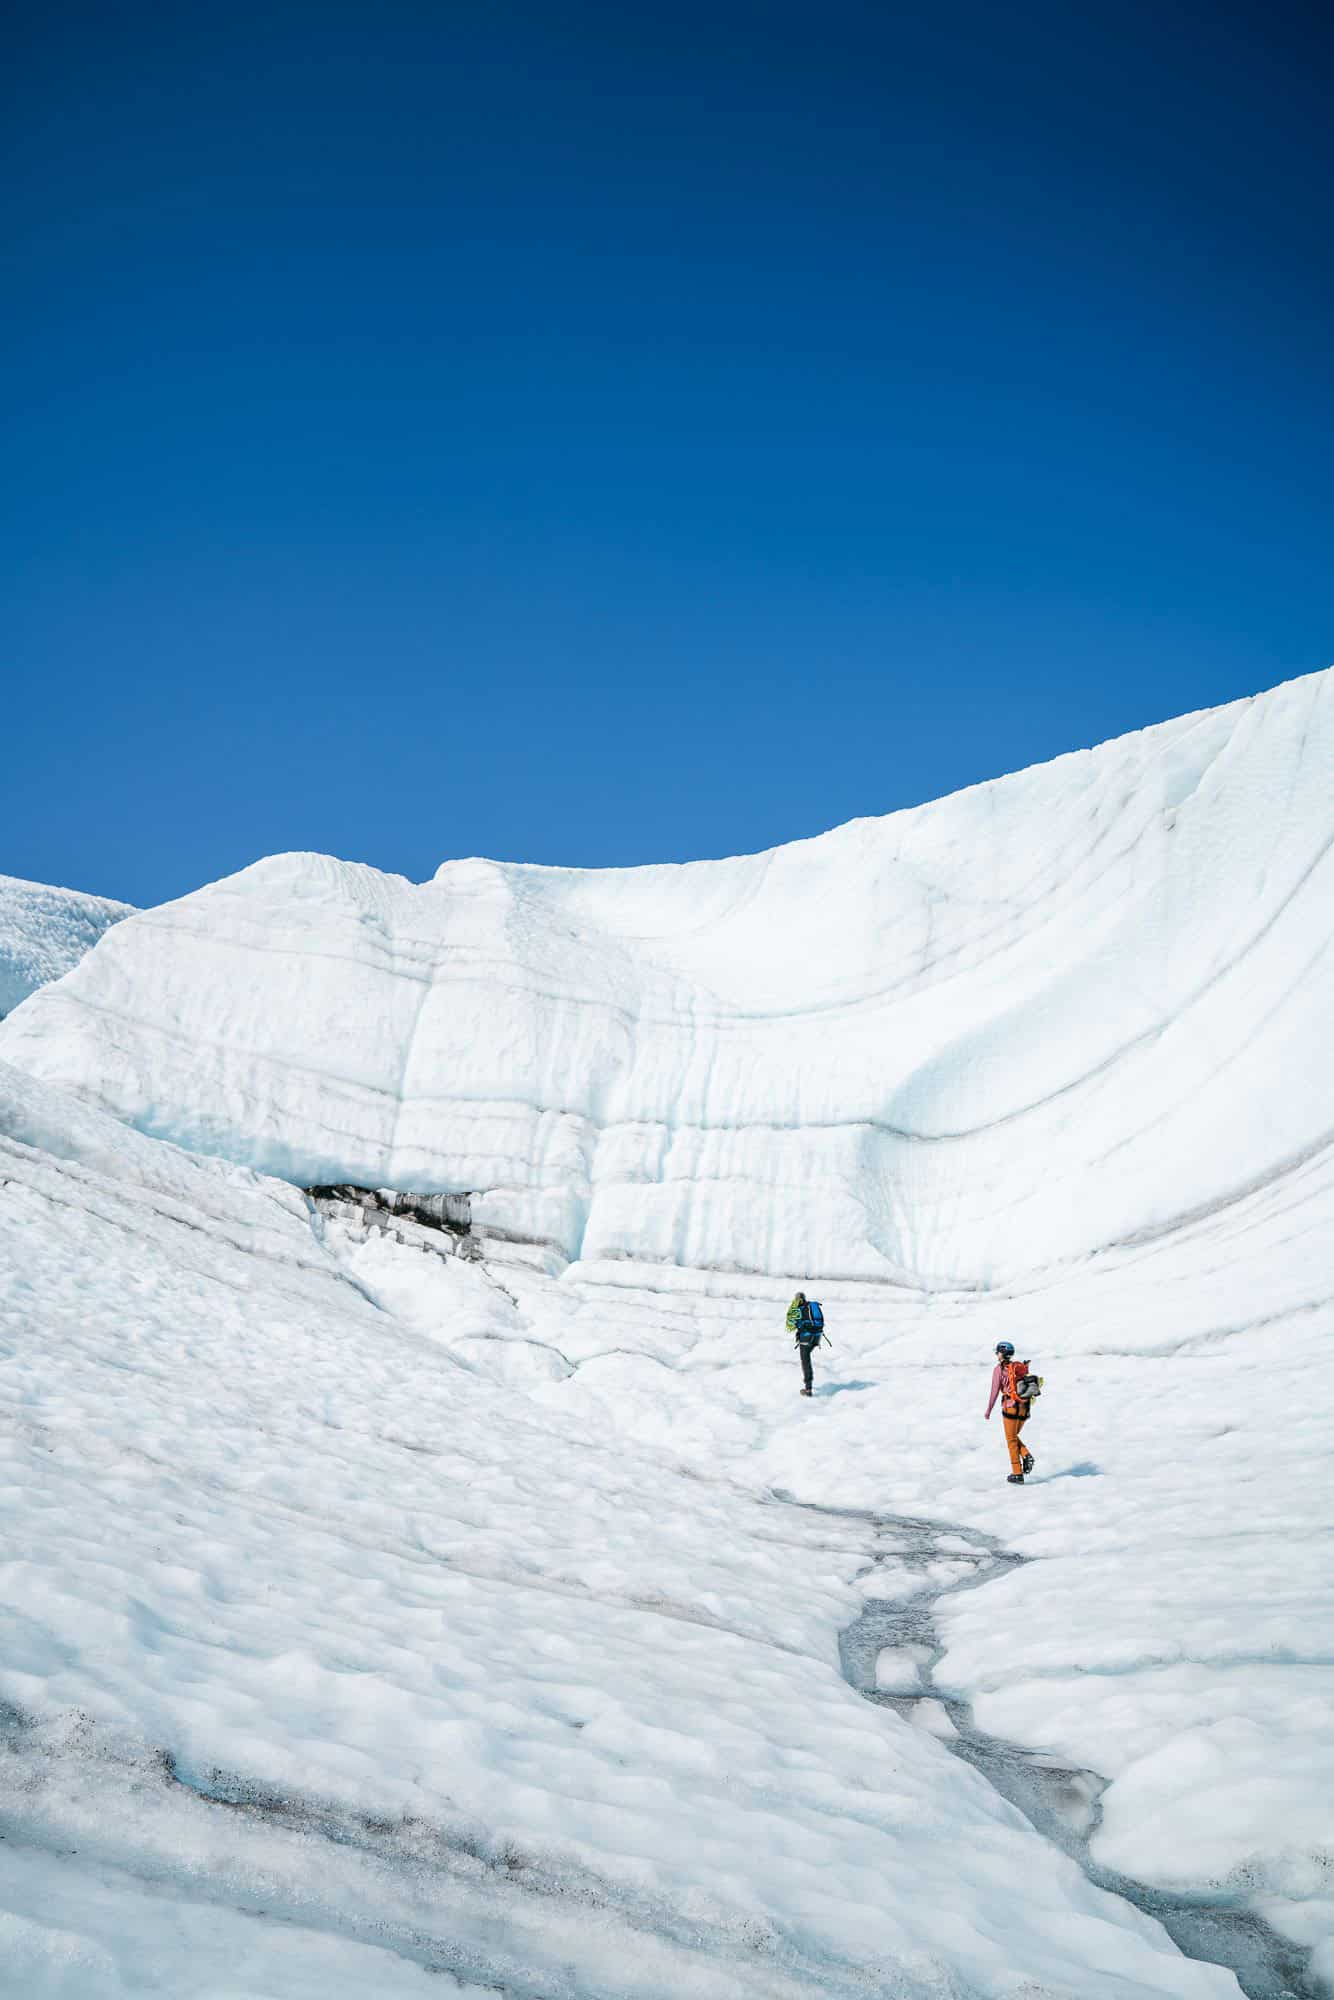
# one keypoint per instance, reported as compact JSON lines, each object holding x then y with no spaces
{"x":997,"y":1384}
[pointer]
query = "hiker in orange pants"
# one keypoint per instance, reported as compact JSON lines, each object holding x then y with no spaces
{"x":1020,"y":1459}
{"x":1014,"y":1410}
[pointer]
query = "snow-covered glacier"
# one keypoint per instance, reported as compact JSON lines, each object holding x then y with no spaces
{"x":44,"y":932}
{"x":1022,"y":1024}
{"x":388,"y":1603}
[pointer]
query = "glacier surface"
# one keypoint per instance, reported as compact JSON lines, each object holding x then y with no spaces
{"x":44,"y":932}
{"x":333,"y":1660}
{"x":374,"y":1614}
{"x":1019,"y":1025}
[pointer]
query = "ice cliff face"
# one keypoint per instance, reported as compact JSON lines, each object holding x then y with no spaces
{"x":44,"y":933}
{"x":1020,"y":1025}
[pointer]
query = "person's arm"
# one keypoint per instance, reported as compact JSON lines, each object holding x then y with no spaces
{"x":793,"y":1315}
{"x":997,"y":1376}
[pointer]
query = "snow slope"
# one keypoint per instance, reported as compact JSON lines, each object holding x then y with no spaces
{"x":45,"y":932}
{"x":332,"y":1664}
{"x":479,"y":1616}
{"x":1031,"y":1020}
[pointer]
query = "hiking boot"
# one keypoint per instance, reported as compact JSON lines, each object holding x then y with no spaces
{"x":1028,"y":1461}
{"x":1014,"y":1479}
{"x":805,"y":1392}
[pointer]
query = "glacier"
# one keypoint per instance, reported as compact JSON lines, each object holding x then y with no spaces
{"x":389,"y":1603}
{"x":44,"y":932}
{"x":1019,"y":1025}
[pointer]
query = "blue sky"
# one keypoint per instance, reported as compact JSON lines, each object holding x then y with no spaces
{"x":600,"y":435}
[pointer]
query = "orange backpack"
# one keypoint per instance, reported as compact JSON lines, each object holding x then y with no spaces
{"x":1012,"y":1403}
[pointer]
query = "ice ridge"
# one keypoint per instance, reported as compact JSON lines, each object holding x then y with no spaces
{"x":1014,"y":1027}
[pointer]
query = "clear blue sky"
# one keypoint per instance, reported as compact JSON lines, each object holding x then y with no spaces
{"x":600,"y":434}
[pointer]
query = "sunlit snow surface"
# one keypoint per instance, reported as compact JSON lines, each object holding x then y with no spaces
{"x":1019,"y":1025}
{"x":331,"y":1655}
{"x":376,"y":1621}
{"x":44,"y":933}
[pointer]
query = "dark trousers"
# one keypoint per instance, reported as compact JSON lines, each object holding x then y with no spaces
{"x":805,"y":1349}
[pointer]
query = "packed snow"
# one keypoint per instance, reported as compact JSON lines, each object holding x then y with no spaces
{"x":387,"y":1604}
{"x":44,"y":933}
{"x":312,"y":1616}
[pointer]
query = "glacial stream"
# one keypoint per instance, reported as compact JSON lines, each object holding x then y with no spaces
{"x":1062,"y":1804}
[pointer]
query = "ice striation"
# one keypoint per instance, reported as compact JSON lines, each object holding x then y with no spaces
{"x":1044,"y":1016}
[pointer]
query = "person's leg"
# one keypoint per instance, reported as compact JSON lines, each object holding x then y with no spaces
{"x":804,"y":1347}
{"x":1025,"y":1455}
{"x":1013,"y":1426}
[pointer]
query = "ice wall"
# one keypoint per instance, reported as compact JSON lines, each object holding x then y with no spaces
{"x":44,"y":932}
{"x":1021,"y":1024}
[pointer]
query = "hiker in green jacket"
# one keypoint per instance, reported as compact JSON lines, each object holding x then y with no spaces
{"x":807,"y":1336}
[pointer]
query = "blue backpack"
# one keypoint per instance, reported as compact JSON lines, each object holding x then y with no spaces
{"x":811,"y":1324}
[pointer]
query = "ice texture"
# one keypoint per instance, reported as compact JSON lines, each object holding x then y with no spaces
{"x":44,"y":932}
{"x":330,"y":1661}
{"x":374,"y":1614}
{"x":1046,"y":1015}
